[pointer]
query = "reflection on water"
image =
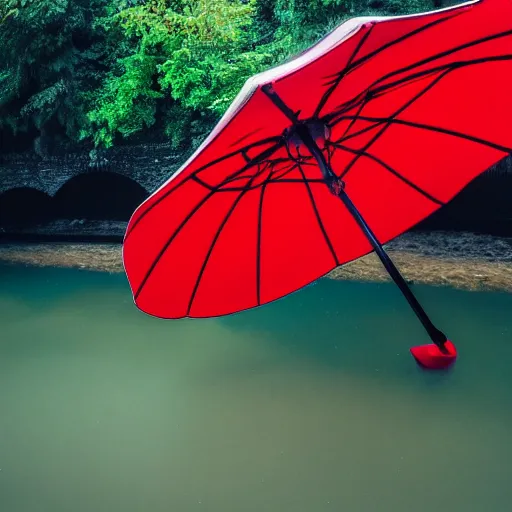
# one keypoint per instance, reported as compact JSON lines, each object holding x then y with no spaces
{"x":310,"y":404}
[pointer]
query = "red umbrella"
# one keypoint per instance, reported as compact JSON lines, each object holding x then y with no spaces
{"x":392,"y":116}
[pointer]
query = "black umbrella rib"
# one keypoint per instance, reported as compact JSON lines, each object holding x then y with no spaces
{"x":365,"y":97}
{"x":384,"y":89}
{"x":446,"y":53}
{"x":353,"y":65}
{"x":263,"y":155}
{"x":270,"y":181}
{"x":388,"y":124}
{"x":274,"y":181}
{"x":325,"y":97}
{"x":269,"y":166}
{"x":392,"y":171}
{"x":201,"y":182}
{"x":354,"y":101}
{"x":153,"y":205}
{"x":278,"y":143}
{"x":439,"y":129}
{"x":319,"y":218}
{"x":400,"y":40}
{"x":283,"y":172}
{"x":369,"y":95}
{"x":276,"y":139}
{"x":275,"y":177}
{"x":303,"y":162}
{"x":362,"y":131}
{"x":245,"y":137}
{"x":358,"y":113}
{"x":269,"y":91}
{"x":222,"y":188}
{"x":262,"y":167}
{"x":212,"y":245}
{"x":169,"y":241}
{"x":258,"y":244}
{"x":297,"y":180}
{"x":383,"y":164}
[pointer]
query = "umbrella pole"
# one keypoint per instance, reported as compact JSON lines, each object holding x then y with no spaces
{"x":442,"y":353}
{"x":337,"y":187}
{"x":437,"y":337}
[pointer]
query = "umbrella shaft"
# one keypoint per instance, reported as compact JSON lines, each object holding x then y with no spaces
{"x":337,"y":188}
{"x":435,"y":334}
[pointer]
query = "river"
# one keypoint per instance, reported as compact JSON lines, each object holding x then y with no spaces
{"x":309,"y":404}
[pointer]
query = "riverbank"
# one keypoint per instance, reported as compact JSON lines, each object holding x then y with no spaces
{"x":461,"y":260}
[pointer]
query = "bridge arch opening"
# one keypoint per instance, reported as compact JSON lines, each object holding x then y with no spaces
{"x":99,"y":195}
{"x":24,"y":207}
{"x":483,"y":206}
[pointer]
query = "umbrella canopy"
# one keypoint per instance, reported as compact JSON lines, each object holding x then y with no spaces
{"x":406,"y":111}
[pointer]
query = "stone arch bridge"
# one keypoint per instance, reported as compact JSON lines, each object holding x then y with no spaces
{"x":147,"y":165}
{"x":110,"y":184}
{"x":81,"y":186}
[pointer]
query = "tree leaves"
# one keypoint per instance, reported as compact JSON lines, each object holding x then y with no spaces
{"x":196,"y":55}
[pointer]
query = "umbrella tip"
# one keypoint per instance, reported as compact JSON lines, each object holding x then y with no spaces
{"x":430,"y":356}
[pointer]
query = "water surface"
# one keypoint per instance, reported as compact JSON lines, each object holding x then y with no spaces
{"x":309,"y":404}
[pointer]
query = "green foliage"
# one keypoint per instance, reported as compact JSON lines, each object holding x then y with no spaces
{"x":301,"y":22}
{"x":104,"y":70}
{"x":126,"y":103}
{"x":185,"y":58}
{"x":44,"y":64}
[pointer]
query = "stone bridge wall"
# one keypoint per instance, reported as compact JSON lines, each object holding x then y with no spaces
{"x":148,"y":165}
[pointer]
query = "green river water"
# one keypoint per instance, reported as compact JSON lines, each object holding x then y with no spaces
{"x":310,"y":404}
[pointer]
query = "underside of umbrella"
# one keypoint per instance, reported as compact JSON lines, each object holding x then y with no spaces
{"x":394,"y":115}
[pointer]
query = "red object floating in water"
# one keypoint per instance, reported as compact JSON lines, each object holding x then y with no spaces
{"x":431,"y":357}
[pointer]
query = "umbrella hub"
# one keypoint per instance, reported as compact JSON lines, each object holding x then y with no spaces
{"x":318,"y":130}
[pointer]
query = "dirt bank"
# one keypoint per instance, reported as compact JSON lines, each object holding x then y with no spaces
{"x":462,"y":260}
